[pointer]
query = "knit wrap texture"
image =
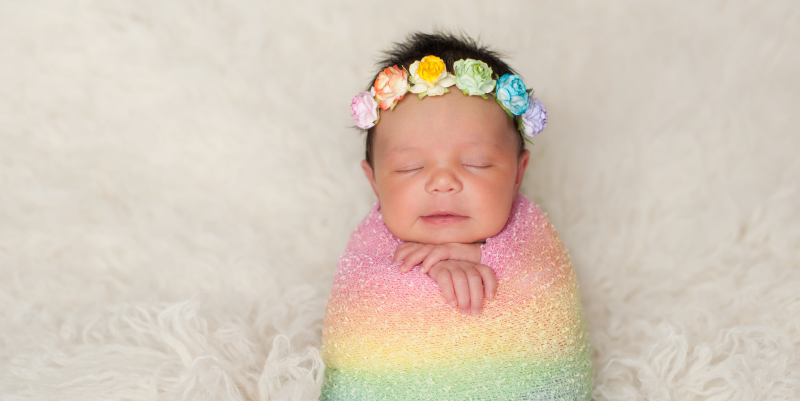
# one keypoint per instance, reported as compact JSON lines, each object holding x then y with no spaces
{"x":392,"y":336}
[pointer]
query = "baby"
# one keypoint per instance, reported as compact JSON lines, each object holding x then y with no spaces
{"x":454,"y":287}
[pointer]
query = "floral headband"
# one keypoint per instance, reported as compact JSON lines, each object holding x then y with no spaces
{"x":428,"y":77}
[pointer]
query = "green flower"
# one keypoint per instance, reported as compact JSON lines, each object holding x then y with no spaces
{"x":473,"y":77}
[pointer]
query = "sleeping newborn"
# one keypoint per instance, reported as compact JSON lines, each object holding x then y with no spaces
{"x":455,"y":286}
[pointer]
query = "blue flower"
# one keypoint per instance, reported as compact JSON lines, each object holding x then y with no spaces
{"x":511,"y":94}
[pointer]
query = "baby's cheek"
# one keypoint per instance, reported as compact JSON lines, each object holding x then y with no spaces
{"x":396,"y":220}
{"x":399,"y":210}
{"x":495,"y":214}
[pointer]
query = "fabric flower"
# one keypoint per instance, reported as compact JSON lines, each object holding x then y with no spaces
{"x":364,"y":109}
{"x":473,"y":77}
{"x":511,"y":94}
{"x":430,"y":78}
{"x":534,"y":120}
{"x":390,"y":86}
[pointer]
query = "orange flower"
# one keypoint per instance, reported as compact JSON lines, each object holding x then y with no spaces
{"x":390,"y":86}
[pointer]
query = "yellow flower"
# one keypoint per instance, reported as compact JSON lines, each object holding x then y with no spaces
{"x":429,"y":77}
{"x":430,"y":68}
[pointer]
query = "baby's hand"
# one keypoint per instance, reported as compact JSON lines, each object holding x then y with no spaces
{"x":463,"y":284}
{"x":415,"y":253}
{"x":456,"y":269}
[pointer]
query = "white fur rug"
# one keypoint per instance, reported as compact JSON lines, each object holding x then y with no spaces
{"x":177,"y":180}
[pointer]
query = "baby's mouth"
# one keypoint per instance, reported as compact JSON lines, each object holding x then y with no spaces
{"x":443,"y":218}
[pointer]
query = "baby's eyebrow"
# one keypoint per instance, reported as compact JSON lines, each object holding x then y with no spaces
{"x":401,"y":150}
{"x":481,"y":144}
{"x":470,"y":145}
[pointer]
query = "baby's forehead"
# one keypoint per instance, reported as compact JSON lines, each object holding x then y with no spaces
{"x":419,"y":135}
{"x":465,"y":115}
{"x":448,"y":126}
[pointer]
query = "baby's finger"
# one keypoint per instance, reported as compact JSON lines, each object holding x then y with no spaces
{"x":464,"y":252}
{"x":445,"y":282}
{"x":461,"y":287}
{"x":489,"y":281}
{"x":436,"y":255}
{"x":475,"y":290}
{"x":404,"y":249}
{"x":415,"y":257}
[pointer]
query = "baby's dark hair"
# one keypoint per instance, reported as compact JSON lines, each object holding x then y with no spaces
{"x":447,"y":46}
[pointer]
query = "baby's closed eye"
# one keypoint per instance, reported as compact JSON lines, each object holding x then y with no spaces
{"x":407,"y":170}
{"x":477,"y":162}
{"x":479,"y":166}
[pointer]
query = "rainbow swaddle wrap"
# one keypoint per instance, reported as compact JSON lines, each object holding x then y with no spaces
{"x":392,"y":336}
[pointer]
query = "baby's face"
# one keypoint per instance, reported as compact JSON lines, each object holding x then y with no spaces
{"x":446,"y":168}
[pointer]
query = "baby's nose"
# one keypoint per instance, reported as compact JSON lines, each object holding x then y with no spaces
{"x":443,"y":181}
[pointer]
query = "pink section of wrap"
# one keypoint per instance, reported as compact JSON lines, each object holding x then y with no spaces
{"x":393,"y":334}
{"x":372,"y":304}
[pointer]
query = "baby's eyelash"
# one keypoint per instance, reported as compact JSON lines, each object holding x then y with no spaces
{"x":408,"y":169}
{"x":478,"y":165}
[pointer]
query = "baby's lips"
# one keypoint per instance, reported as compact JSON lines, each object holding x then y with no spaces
{"x":444,"y":219}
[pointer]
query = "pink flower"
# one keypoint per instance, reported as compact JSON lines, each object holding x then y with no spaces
{"x":534,"y":120}
{"x":390,"y":86}
{"x":364,"y":109}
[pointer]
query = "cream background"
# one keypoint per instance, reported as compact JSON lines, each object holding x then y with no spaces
{"x":177,"y":180}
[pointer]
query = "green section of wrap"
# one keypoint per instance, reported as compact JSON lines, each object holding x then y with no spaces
{"x":500,"y":380}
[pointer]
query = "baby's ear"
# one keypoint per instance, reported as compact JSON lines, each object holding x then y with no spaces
{"x":371,"y":176}
{"x":524,"y":158}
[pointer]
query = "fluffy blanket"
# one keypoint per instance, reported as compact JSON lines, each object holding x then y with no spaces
{"x":390,"y":335}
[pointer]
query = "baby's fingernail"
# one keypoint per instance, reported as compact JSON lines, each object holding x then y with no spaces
{"x":452,"y":304}
{"x":476,"y":312}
